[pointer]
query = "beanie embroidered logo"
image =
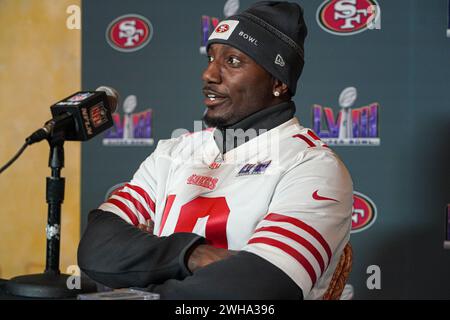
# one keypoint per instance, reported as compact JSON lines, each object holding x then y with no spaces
{"x":347,"y":17}
{"x":224,"y":30}
{"x":279,"y":60}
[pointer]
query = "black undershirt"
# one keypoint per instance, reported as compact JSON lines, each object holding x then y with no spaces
{"x":263,"y":120}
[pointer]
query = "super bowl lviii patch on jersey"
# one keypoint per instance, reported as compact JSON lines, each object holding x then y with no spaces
{"x":254,"y":168}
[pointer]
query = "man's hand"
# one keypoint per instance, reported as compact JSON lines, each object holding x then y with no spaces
{"x":205,"y":254}
{"x":147,"y":227}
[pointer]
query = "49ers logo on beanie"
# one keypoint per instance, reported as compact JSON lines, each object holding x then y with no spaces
{"x":347,"y":17}
{"x":224,"y":30}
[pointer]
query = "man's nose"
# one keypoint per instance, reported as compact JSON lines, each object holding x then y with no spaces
{"x":212,"y":73}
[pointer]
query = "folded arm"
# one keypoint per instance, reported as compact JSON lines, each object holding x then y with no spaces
{"x":118,"y":255}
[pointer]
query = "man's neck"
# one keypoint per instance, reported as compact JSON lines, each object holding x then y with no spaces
{"x":232,"y":136}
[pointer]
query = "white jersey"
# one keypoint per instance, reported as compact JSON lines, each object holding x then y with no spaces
{"x":284,"y":196}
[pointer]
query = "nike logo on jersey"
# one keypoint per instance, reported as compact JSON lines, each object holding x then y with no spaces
{"x":254,"y":168}
{"x":316,"y":196}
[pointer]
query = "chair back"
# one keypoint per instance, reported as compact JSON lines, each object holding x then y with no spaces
{"x":340,"y":275}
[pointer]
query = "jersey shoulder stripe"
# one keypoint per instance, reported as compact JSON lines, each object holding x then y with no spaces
{"x":295,"y":140}
{"x":310,"y":138}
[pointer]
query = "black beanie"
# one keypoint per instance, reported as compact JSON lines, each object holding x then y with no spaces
{"x":272,"y":33}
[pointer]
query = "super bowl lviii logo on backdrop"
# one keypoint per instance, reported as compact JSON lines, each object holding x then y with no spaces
{"x":364,"y":212}
{"x":129,"y":33}
{"x":448,"y":19}
{"x":351,"y":126}
{"x":134,"y":129}
{"x":347,"y":17}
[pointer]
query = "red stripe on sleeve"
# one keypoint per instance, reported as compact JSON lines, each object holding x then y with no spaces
{"x":144,"y":195}
{"x":305,"y":243}
{"x":136,"y":203}
{"x":289,"y":250}
{"x":282,"y":218}
{"x":116,"y":190}
{"x":122,"y":206}
{"x":309,"y":142}
{"x":313,"y":135}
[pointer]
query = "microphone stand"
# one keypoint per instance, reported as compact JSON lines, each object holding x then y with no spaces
{"x":52,"y":284}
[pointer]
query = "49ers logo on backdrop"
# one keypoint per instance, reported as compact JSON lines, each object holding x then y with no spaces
{"x":129,"y":33}
{"x":364,"y":212}
{"x":347,"y":17}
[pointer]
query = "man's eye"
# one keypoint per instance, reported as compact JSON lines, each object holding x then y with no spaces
{"x":210,"y":59}
{"x":234,"y":61}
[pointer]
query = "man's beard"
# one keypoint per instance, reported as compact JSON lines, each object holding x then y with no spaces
{"x":215,"y":122}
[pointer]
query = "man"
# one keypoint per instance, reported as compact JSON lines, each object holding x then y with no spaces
{"x":219,"y":215}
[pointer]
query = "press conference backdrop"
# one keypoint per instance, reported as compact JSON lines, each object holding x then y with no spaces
{"x":394,"y":79}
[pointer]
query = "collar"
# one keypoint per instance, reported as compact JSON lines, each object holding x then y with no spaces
{"x":252,"y":126}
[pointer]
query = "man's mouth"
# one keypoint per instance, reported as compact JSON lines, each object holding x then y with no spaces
{"x":213,"y":99}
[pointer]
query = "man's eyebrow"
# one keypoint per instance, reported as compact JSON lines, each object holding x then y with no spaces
{"x":233,"y":51}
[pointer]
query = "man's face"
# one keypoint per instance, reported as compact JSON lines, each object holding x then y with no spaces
{"x":234,"y":86}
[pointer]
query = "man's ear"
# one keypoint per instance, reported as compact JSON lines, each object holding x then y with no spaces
{"x":279,"y":86}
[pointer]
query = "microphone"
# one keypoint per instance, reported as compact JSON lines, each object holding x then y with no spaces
{"x":79,"y":117}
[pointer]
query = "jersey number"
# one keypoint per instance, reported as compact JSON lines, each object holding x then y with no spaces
{"x":216,"y":211}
